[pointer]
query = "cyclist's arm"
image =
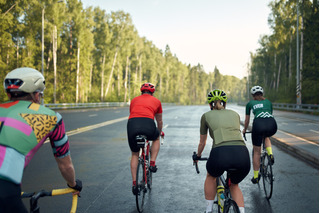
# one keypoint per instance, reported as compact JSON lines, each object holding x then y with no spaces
{"x":202,"y":144}
{"x":66,"y":168}
{"x":159,"y":121}
{"x":246,"y":123}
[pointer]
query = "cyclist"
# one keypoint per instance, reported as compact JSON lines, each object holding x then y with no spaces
{"x":228,"y":151}
{"x":264,"y":125}
{"x":24,"y":126}
{"x":143,"y":110}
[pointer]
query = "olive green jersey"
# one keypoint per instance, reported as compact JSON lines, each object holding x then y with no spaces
{"x":224,"y":127}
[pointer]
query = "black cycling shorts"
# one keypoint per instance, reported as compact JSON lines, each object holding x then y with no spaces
{"x":234,"y":157}
{"x":141,"y":126}
{"x":263,"y":127}
{"x":10,"y":198}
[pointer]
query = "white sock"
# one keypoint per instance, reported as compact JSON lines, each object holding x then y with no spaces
{"x":241,"y":209}
{"x":209,"y":205}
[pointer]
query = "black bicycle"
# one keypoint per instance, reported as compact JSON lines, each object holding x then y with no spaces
{"x":224,"y":200}
{"x":265,"y":169}
{"x":144,"y":175}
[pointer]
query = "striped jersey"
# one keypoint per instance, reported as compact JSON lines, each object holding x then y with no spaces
{"x":260,"y":109}
{"x":24,"y":127}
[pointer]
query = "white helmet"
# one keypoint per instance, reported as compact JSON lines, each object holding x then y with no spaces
{"x":256,"y":89}
{"x":24,"y":79}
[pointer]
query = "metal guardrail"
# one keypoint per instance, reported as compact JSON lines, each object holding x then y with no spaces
{"x":283,"y":106}
{"x":314,"y":108}
{"x":296,"y":107}
{"x":86,"y":105}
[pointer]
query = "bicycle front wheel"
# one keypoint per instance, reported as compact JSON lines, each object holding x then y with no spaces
{"x":267,"y":176}
{"x":141,"y":185}
{"x":231,"y":207}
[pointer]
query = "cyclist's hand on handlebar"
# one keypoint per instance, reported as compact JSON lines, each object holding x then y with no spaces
{"x":77,"y":187}
{"x":195,"y":157}
{"x":162,"y":134}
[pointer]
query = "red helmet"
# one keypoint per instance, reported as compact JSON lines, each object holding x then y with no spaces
{"x":148,"y":87}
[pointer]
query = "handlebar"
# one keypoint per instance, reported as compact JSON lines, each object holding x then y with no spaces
{"x":244,"y":135}
{"x":34,"y":197}
{"x":195,"y":159}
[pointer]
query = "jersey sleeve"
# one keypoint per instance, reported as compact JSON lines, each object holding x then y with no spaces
{"x":248,"y":108}
{"x":203,"y":125}
{"x":59,"y":140}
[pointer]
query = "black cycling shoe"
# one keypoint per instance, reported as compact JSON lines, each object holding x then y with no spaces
{"x":255,"y":180}
{"x":135,"y":190}
{"x":153,"y":169}
{"x":271,"y":159}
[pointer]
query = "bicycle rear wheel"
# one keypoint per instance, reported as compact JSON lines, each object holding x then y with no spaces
{"x":267,"y":176}
{"x":231,"y":207}
{"x":140,"y":180}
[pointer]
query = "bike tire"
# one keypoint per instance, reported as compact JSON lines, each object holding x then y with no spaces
{"x":140,"y":181}
{"x":231,"y":207}
{"x":267,"y":176}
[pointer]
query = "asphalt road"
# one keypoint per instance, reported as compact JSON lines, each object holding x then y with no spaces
{"x":101,"y":157}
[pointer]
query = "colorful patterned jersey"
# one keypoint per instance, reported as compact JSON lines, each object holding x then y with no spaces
{"x":145,"y":106}
{"x":260,"y":109}
{"x":24,"y":127}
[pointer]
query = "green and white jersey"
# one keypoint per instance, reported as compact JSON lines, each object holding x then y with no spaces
{"x":260,"y":109}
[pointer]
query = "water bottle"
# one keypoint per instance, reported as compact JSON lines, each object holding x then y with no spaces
{"x":220,"y":195}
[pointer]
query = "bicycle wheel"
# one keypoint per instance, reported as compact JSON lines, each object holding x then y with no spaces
{"x":267,"y":175}
{"x":141,"y":186}
{"x":231,"y":207}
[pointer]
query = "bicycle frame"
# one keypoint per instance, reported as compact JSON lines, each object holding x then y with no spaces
{"x":144,"y":156}
{"x":34,"y":197}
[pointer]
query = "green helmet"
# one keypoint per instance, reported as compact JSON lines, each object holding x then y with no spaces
{"x":217,"y":94}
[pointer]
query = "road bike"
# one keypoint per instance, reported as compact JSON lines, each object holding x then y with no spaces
{"x":223,"y":198}
{"x":144,"y":175}
{"x":265,"y":169}
{"x":34,"y":197}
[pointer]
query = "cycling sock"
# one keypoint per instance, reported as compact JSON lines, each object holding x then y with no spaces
{"x":209,"y":205}
{"x":255,"y":174}
{"x":269,"y":150}
{"x":152,"y":163}
{"x":134,"y":183}
{"x":241,"y":209}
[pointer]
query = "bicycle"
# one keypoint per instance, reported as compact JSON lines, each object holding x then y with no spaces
{"x":144,"y":176}
{"x":223,"y":200}
{"x":265,"y":169}
{"x":34,"y":197}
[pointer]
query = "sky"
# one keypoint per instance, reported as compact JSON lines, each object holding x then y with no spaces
{"x":213,"y":33}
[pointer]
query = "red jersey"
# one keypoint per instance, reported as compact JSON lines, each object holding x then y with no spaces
{"x":145,"y":106}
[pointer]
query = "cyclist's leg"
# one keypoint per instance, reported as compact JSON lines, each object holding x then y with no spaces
{"x":214,"y":169}
{"x":257,"y":128}
{"x":134,"y":164}
{"x":241,"y":162}
{"x":155,"y":147}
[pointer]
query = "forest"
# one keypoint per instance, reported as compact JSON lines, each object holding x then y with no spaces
{"x":89,"y":55}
